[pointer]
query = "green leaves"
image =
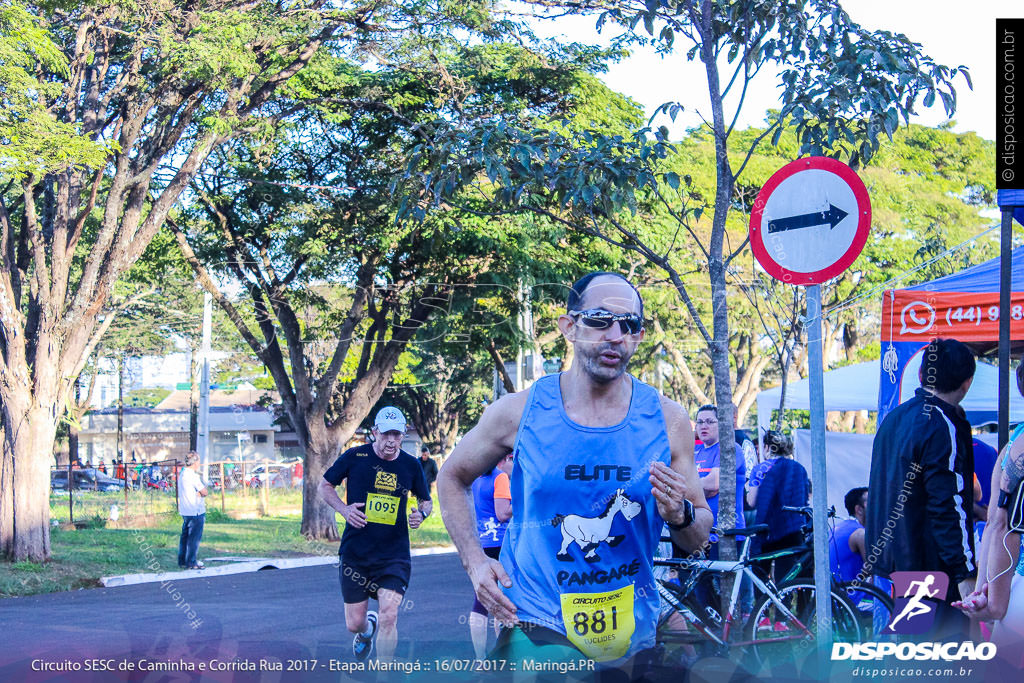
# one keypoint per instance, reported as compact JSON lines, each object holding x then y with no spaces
{"x":33,"y":140}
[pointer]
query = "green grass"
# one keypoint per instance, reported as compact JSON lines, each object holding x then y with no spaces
{"x":80,"y":557}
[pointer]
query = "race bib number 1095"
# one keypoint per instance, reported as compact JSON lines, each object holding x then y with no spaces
{"x":599,"y":624}
{"x":381,"y":508}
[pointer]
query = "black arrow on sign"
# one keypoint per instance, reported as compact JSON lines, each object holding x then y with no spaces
{"x":833,"y":216}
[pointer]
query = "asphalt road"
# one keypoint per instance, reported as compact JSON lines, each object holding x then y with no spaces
{"x":276,"y":625}
{"x":292,"y":617}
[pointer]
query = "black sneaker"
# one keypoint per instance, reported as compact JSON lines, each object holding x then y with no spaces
{"x":361,"y":645}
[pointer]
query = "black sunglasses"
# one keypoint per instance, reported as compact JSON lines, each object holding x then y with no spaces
{"x":600,"y":319}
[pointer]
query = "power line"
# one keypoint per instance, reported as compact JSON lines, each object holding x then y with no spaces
{"x":887,"y":285}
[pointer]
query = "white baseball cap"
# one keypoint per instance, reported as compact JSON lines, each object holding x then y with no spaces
{"x":389,"y":418}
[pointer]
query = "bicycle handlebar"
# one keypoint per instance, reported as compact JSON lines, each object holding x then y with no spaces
{"x":808,"y":511}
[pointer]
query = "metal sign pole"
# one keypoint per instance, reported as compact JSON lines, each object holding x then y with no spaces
{"x":1005,"y":287}
{"x":203,"y":438}
{"x":819,"y":494}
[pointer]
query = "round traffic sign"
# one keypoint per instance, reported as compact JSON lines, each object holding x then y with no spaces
{"x":810,"y":221}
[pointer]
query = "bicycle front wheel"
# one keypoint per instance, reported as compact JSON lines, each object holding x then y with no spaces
{"x":787,"y":629}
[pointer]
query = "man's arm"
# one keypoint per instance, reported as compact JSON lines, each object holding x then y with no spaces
{"x":477,"y":453}
{"x":423,"y":508}
{"x":198,"y":483}
{"x":671,"y":484}
{"x":947,"y":511}
{"x":351,"y":513}
{"x":856,"y":543}
{"x":424,"y":504}
{"x":502,"y":498}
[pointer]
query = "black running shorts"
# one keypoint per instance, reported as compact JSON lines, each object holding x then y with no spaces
{"x":361,"y":580}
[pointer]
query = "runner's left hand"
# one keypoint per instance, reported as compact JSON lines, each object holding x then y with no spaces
{"x":975,"y":605}
{"x":669,"y":489}
{"x":415,"y":518}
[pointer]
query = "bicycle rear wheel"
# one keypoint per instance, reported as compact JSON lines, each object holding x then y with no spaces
{"x":779,"y":634}
{"x":874,"y":607}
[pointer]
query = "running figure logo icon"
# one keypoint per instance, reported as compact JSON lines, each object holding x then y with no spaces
{"x":916,"y":595}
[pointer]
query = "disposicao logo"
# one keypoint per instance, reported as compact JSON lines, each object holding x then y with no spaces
{"x":917,"y":594}
{"x":947,"y":652}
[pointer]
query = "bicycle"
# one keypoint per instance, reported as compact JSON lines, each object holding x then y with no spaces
{"x":784,"y":617}
{"x":874,"y":606}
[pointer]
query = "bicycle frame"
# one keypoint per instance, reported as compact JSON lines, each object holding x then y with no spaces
{"x":738,"y":568}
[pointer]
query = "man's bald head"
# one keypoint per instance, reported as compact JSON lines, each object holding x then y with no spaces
{"x":577,"y":300}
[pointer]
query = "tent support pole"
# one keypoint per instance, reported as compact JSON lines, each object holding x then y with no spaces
{"x":1005,"y":254}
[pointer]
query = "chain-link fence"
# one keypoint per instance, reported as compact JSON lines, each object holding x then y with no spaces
{"x":139,"y":490}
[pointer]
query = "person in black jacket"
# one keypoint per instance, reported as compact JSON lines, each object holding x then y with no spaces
{"x":428,"y":465}
{"x":920,"y":515}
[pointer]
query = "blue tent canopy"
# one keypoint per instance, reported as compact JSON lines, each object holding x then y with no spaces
{"x":978,"y":279}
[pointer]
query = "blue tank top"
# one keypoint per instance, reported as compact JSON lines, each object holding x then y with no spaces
{"x":580,"y":553}
{"x":844,"y":562}
{"x":489,"y":530}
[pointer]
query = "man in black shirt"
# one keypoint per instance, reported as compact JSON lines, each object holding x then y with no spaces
{"x":375,"y":559}
{"x":920,"y":511}
{"x":429,"y":466}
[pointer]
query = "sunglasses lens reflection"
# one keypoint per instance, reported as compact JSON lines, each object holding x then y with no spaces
{"x":599,"y":319}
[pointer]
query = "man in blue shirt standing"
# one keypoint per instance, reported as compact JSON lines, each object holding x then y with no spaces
{"x":708,"y":458}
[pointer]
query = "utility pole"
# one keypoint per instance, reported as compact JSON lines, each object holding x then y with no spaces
{"x":120,"y":406}
{"x":203,"y":439}
{"x":193,"y":400}
{"x":73,"y":452}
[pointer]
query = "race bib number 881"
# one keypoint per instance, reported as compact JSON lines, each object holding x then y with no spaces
{"x":599,"y":624}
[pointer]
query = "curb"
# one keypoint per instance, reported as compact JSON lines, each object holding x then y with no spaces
{"x":245,"y":567}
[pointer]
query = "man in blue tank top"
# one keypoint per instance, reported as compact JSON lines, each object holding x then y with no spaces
{"x":492,"y":502}
{"x":602,"y":462}
{"x":846,"y":543}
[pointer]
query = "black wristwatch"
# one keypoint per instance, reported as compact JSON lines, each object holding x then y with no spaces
{"x":688,"y":516}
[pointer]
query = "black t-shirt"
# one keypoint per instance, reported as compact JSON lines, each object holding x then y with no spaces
{"x":383,"y":485}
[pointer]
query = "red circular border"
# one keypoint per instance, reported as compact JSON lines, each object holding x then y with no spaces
{"x":859,"y":240}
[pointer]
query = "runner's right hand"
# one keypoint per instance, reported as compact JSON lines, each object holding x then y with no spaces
{"x":485,"y":576}
{"x":354,"y":516}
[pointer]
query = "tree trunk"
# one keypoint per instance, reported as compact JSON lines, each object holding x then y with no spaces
{"x":318,"y":518}
{"x":719,"y":305}
{"x":499,"y":365}
{"x":322,"y":446}
{"x":25,"y":483}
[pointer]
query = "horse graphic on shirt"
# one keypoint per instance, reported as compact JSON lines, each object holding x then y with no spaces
{"x":590,"y":532}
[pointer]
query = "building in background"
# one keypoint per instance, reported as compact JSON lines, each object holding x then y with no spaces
{"x":240,"y":429}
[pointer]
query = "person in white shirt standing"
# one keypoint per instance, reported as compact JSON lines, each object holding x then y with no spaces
{"x":191,"y":492}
